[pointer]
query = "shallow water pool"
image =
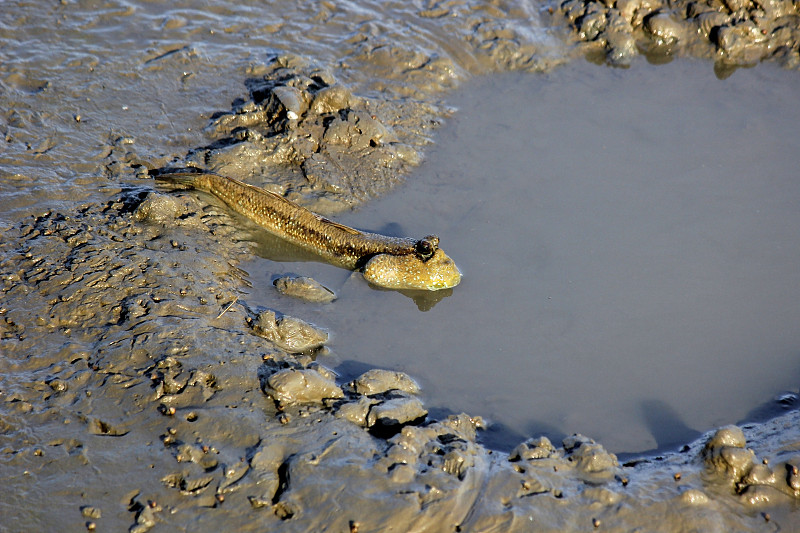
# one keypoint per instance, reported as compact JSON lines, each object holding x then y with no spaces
{"x":630,"y":246}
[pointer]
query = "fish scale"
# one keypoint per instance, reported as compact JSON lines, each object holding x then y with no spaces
{"x":393,"y":262}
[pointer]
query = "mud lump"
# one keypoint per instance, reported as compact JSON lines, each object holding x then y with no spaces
{"x":733,"y":33}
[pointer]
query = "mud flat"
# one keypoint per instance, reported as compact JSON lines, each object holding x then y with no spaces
{"x":142,"y":389}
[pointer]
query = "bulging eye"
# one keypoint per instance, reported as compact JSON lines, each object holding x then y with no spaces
{"x":426,"y":247}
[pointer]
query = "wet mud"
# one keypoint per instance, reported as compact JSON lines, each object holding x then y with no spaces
{"x":733,"y":33}
{"x":140,"y":390}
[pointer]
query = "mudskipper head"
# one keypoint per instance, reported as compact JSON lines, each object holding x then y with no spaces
{"x":428,"y":268}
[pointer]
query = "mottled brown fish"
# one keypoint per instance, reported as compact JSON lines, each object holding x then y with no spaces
{"x":391,"y":262}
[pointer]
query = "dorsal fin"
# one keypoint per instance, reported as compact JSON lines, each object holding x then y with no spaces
{"x":342,"y":227}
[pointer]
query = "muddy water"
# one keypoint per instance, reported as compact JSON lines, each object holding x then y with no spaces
{"x":630,"y":247}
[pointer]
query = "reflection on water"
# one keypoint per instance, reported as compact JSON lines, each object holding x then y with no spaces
{"x":273,"y":248}
{"x":629,"y":250}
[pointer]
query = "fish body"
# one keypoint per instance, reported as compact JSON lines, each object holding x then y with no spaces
{"x":391,"y":262}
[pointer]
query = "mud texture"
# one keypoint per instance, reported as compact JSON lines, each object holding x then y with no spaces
{"x":731,"y":32}
{"x":304,"y":288}
{"x":139,"y":391}
{"x":309,"y":137}
{"x":223,"y":428}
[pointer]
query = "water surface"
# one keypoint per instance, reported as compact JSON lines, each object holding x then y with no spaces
{"x":630,"y":245}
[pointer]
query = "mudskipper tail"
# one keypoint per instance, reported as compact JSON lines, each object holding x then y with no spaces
{"x":184,"y":178}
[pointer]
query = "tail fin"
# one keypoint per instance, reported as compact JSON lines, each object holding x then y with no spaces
{"x":184,"y":178}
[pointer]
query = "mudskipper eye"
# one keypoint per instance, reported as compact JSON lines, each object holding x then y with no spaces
{"x":425,"y":248}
